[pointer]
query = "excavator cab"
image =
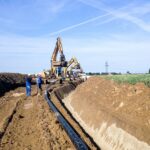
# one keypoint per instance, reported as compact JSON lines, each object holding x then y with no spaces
{"x":63,"y":60}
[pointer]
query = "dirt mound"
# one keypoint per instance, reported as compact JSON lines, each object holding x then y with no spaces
{"x":117,"y":116}
{"x":9,"y":81}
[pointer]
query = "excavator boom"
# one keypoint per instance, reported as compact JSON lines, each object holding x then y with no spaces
{"x":58,"y":65}
{"x":58,"y":48}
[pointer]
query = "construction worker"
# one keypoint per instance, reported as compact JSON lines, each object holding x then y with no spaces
{"x":39,"y":84}
{"x":28,"y":85}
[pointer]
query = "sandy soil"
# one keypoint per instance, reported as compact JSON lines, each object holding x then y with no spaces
{"x":32,"y":127}
{"x":113,"y":114}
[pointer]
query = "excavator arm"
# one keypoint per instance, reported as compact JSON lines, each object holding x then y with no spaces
{"x":58,"y":65}
{"x":58,"y":48}
{"x":73,"y":64}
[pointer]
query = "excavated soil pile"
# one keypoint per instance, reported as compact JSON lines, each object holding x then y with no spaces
{"x":117,"y":116}
{"x":9,"y":81}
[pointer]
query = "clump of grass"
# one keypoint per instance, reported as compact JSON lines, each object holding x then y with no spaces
{"x":131,"y":79}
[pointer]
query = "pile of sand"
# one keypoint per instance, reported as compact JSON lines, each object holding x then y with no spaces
{"x":117,"y":116}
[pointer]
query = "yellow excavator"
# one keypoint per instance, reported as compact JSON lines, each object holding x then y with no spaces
{"x":58,"y":66}
{"x":61,"y":67}
{"x":74,"y":66}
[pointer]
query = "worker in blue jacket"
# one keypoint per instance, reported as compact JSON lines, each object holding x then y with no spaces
{"x":39,"y":84}
{"x":28,"y":85}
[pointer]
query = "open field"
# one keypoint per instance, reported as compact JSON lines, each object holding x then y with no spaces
{"x":131,"y":78}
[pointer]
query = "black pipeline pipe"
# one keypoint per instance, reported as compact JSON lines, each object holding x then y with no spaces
{"x":75,"y":138}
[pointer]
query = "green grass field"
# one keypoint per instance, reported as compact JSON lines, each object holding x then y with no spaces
{"x":132,"y":79}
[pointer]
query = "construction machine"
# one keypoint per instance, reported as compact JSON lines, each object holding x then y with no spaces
{"x":45,"y":74}
{"x":61,"y":67}
{"x":74,"y":67}
{"x":58,"y":66}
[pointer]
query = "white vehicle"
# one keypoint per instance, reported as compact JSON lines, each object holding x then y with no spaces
{"x":83,"y":76}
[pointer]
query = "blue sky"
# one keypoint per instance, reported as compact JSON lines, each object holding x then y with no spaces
{"x":94,"y":31}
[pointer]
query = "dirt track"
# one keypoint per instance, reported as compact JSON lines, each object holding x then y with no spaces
{"x":33,"y":125}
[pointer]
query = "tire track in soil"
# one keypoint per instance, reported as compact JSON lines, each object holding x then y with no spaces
{"x":34,"y":127}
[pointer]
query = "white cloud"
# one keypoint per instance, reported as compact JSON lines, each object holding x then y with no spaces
{"x":81,"y":23}
{"x":125,"y":13}
{"x":120,"y":13}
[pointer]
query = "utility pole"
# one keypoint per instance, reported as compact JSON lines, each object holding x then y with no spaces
{"x":106,"y":66}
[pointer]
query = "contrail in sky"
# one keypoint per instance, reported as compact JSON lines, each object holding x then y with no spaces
{"x":88,"y":21}
{"x":82,"y":23}
{"x":124,"y":15}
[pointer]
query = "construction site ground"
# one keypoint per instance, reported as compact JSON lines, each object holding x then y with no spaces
{"x":27,"y":123}
{"x":117,"y":116}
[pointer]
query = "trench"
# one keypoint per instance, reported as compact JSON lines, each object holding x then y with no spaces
{"x":54,"y":96}
{"x":74,"y":136}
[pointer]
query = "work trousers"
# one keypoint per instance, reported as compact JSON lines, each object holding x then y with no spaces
{"x":28,"y":90}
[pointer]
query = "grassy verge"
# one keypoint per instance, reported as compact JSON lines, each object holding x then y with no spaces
{"x":132,"y":79}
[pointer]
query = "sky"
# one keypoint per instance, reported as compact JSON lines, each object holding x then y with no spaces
{"x":94,"y":31}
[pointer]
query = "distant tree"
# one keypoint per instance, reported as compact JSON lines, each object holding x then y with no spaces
{"x":104,"y":73}
{"x":114,"y":73}
{"x":149,"y":71}
{"x":97,"y":73}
